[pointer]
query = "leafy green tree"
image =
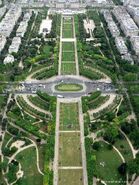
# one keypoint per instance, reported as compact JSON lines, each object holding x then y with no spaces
{"x":111,"y":133}
{"x":122,"y":169}
{"x":96,"y":146}
{"x":3,"y":165}
{"x":133,"y":166}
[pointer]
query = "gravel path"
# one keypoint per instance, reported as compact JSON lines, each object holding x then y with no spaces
{"x":34,"y":106}
{"x":103,"y":106}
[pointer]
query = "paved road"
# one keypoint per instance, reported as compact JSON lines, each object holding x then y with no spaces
{"x":48,"y":86}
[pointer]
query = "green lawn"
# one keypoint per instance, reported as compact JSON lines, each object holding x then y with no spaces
{"x":67,"y":46}
{"x":70,"y":177}
{"x":69,"y":87}
{"x":67,"y":33}
{"x":76,"y":23}
{"x":107,"y":163}
{"x":67,"y":27}
{"x":31,"y":176}
{"x":42,"y":151}
{"x":69,"y":116}
{"x":68,"y":56}
{"x":68,"y":69}
{"x":70,"y":149}
{"x":124,"y":148}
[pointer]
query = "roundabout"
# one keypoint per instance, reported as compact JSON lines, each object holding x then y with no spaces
{"x":66,"y":86}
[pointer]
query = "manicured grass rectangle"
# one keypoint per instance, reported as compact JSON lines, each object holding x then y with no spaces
{"x":67,"y":33}
{"x":68,"y":46}
{"x":68,"y":27}
{"x":68,"y":56}
{"x":70,"y":177}
{"x":69,"y":116}
{"x":70,"y":149}
{"x":68,"y":69}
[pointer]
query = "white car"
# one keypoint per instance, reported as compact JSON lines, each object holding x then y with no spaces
{"x":60,"y":96}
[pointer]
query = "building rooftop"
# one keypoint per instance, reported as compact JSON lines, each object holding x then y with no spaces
{"x":14,"y":47}
{"x":2,"y":42}
{"x":8,"y":59}
{"x":121,"y":46}
{"x":45,"y":26}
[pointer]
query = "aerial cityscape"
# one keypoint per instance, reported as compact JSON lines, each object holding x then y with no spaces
{"x":69,"y":92}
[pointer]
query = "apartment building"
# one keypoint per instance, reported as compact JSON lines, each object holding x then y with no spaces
{"x":111,"y":24}
{"x":23,"y":25}
{"x":127,"y":24}
{"x":2,"y":42}
{"x":2,"y":11}
{"x":121,"y":46}
{"x":135,"y":44}
{"x":8,"y":22}
{"x":14,"y":47}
